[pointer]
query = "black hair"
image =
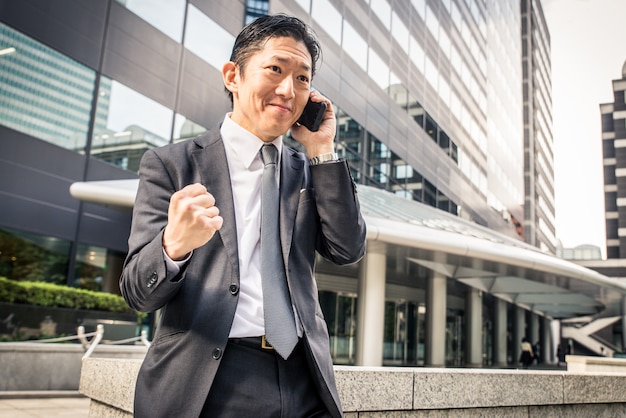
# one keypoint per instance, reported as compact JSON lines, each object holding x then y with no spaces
{"x":256,"y":33}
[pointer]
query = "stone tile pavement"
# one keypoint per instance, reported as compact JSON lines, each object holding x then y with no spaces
{"x":44,"y":407}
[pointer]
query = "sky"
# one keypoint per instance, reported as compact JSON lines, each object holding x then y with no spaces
{"x":588,"y":50}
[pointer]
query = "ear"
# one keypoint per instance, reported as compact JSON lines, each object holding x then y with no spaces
{"x":230,"y":76}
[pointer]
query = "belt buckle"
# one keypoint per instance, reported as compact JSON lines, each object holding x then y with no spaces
{"x":265,"y":345}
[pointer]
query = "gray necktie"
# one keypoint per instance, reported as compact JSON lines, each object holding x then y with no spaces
{"x":280,"y":326}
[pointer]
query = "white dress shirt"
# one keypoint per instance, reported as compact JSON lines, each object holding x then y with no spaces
{"x":246,"y":171}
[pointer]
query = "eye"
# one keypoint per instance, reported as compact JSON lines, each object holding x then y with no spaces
{"x":275,"y":68}
{"x":303,"y":78}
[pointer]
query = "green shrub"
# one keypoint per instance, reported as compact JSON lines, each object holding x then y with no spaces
{"x":53,"y":295}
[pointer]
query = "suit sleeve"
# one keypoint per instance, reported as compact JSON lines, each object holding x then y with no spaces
{"x":342,"y":229}
{"x":144,"y":282}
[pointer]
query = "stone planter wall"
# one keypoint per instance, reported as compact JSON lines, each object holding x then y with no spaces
{"x":382,"y":392}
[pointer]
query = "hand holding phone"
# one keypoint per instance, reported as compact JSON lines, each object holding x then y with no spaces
{"x":312,"y":115}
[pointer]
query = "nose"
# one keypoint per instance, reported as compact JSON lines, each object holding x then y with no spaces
{"x":285,"y":88}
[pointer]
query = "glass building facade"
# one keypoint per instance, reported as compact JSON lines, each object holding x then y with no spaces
{"x":428,"y":96}
{"x":539,"y":216}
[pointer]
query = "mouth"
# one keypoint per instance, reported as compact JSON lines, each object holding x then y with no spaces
{"x":281,"y":107}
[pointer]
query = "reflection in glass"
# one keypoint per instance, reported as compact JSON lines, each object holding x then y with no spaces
{"x":33,"y":257}
{"x":401,"y":333}
{"x":256,"y":9}
{"x":397,"y":92}
{"x":165,"y":15}
{"x":186,"y":128}
{"x":98,"y":268}
{"x":129,"y":124}
{"x":207,"y":39}
{"x":44,"y":93}
{"x":328,"y":18}
{"x":340,"y":314}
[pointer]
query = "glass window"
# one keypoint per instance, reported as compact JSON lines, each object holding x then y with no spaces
{"x":398,"y":92}
{"x":420,"y":7}
{"x":98,"y":268}
{"x":417,"y":54}
{"x":382,"y":9}
{"x":44,"y":93}
{"x":165,"y":15}
{"x":207,"y":39}
{"x":432,"y":74}
{"x":400,"y":32}
{"x":432,"y":23}
{"x":256,"y":9}
{"x":128,"y":124}
{"x":186,"y":129}
{"x":354,"y":45}
{"x":340,"y":313}
{"x":328,"y":18}
{"x":377,"y":70}
{"x":404,"y":171}
{"x":33,"y":257}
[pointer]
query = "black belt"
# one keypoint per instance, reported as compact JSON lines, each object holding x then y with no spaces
{"x":259,"y":343}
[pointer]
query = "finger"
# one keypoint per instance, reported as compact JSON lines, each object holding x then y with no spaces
{"x":211,"y":212}
{"x":191,"y":190}
{"x":204,"y":200}
{"x":214,"y":223}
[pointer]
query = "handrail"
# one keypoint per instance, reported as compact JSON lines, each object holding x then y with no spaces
{"x":90,"y":346}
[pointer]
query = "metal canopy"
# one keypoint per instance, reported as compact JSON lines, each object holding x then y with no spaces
{"x":477,"y":256}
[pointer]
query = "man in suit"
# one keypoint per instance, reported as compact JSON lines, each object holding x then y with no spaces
{"x":195,"y":253}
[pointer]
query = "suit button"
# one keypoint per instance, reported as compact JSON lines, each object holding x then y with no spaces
{"x":152,"y":279}
{"x":234,"y":289}
{"x":217,"y":353}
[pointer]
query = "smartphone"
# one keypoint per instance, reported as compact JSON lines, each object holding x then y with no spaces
{"x":312,"y":115}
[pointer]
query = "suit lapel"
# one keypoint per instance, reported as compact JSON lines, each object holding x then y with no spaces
{"x":290,"y":183}
{"x":210,"y":161}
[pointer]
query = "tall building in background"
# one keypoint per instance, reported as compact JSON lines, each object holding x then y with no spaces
{"x":614,"y":163}
{"x":539,"y":206}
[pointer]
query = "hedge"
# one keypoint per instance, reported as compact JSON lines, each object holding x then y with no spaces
{"x":53,"y":295}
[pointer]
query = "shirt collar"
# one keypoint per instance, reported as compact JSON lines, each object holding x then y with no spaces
{"x":243,"y":143}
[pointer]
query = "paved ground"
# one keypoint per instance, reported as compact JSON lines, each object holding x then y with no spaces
{"x":44,"y":407}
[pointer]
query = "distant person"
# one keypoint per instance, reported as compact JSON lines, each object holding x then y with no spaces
{"x":537,"y":352}
{"x":221,"y":349}
{"x":526,"y":358}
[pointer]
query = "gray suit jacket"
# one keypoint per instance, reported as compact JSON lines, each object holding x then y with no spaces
{"x":319,"y":211}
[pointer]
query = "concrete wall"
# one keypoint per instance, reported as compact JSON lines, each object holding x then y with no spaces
{"x":51,"y":366}
{"x":412,"y":392}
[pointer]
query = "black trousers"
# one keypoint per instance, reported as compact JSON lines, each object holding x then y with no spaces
{"x":255,"y":382}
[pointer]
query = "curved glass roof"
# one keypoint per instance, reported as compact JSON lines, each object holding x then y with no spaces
{"x":459,"y":249}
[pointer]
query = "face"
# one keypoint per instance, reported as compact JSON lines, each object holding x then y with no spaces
{"x":271,"y":93}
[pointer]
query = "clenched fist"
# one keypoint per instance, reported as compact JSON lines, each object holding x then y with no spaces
{"x":192,"y":220}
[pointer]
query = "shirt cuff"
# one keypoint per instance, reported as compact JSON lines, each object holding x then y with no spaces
{"x":173,"y":266}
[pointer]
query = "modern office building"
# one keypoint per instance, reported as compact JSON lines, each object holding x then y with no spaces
{"x":430,"y":100}
{"x":539,"y":207}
